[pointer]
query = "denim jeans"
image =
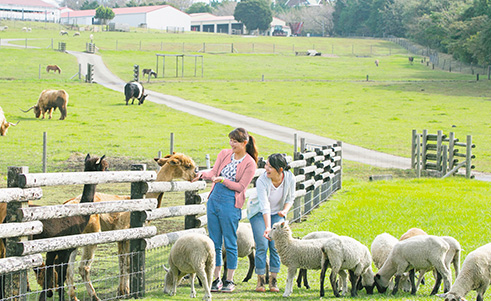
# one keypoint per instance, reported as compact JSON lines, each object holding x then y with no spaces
{"x":223,"y":220}
{"x":263,"y":244}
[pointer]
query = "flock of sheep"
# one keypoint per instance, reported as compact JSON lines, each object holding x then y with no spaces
{"x":396,"y":261}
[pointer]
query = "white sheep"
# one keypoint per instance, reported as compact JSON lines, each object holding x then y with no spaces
{"x":295,"y":253}
{"x":302,"y":273}
{"x":381,"y":247}
{"x":191,"y":254}
{"x":417,"y":253}
{"x":346,"y":253}
{"x":475,"y":275}
{"x":245,"y":247}
{"x":452,"y":257}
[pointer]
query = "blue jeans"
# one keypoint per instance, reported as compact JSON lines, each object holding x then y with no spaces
{"x":263,"y":244}
{"x":223,"y":220}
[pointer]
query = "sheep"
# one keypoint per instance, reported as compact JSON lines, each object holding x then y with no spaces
{"x":302,"y":273}
{"x":416,"y":253}
{"x":245,"y":247}
{"x":295,"y":253}
{"x":346,"y":253}
{"x":76,"y":34}
{"x":63,"y":32}
{"x":191,"y":254}
{"x":412,"y":232}
{"x":475,"y":275}
{"x":381,"y":247}
{"x":452,"y":257}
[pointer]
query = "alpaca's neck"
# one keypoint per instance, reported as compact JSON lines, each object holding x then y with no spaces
{"x":88,"y":193}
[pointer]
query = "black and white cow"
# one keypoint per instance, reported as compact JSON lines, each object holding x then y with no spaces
{"x":134,"y":90}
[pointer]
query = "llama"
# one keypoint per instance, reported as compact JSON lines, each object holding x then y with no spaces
{"x":175,"y":166}
{"x":67,"y":226}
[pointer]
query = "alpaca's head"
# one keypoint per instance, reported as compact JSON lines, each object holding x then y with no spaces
{"x":176,"y":166}
{"x":95,"y":163}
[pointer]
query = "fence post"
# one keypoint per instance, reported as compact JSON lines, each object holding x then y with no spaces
{"x":191,"y":198}
{"x":171,"y":143}
{"x":45,"y":152}
{"x":468,"y":157}
{"x":340,"y":163}
{"x":16,"y":283}
{"x":439,"y":142}
{"x":418,"y":154}
{"x":413,"y":148}
{"x":444,"y":160}
{"x":137,"y":246}
{"x":451,"y":146}
{"x":423,"y":149}
{"x":296,"y":202}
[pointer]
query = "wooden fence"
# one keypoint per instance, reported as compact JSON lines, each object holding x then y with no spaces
{"x":439,"y":155}
{"x":318,"y":175}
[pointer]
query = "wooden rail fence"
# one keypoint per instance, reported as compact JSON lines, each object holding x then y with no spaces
{"x":318,"y":175}
{"x":439,"y":155}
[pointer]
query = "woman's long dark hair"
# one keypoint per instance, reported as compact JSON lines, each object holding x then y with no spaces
{"x":241,"y":135}
{"x":278,"y":161}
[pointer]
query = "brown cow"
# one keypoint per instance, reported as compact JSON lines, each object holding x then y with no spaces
{"x":4,"y":124}
{"x":54,"y":68}
{"x":48,"y":101}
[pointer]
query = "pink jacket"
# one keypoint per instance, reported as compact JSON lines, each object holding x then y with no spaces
{"x":245,"y":172}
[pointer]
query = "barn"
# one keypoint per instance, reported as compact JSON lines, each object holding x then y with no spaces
{"x":163,"y":17}
{"x":29,"y":10}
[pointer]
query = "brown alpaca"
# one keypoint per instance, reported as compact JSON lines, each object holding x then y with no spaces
{"x":67,"y":226}
{"x":54,"y":68}
{"x":175,"y":166}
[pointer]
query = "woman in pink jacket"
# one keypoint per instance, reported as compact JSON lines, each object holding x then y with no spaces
{"x":231,"y":174}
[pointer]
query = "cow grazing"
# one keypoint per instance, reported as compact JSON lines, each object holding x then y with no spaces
{"x":134,"y":90}
{"x":411,"y":60}
{"x":54,"y":68}
{"x":4,"y":124}
{"x":150,"y":72}
{"x":48,"y":101}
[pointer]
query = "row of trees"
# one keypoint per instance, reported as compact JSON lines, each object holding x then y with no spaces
{"x":459,"y":27}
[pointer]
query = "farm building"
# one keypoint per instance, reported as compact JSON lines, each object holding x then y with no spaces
{"x":206,"y":22}
{"x":29,"y":10}
{"x":163,"y":17}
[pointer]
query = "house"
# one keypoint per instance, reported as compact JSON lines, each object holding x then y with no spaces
{"x":206,"y":22}
{"x":162,"y":17}
{"x":29,"y":10}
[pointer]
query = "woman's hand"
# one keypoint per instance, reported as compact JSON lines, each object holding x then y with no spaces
{"x":217,"y":179}
{"x":283,"y":213}
{"x":266,"y":233}
{"x":198,"y":177}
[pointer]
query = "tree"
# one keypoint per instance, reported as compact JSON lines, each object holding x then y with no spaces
{"x":104,"y":14}
{"x":224,"y":8}
{"x":86,"y":5}
{"x":254,"y":14}
{"x":199,"y":7}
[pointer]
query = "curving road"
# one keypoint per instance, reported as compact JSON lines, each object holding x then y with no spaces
{"x":106,"y":78}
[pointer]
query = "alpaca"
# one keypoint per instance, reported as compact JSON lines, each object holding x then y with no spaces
{"x":67,"y":226}
{"x":175,"y":166}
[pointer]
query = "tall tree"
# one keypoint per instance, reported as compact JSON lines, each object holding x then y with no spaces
{"x":105,"y":14}
{"x":89,"y":5}
{"x":199,"y":7}
{"x":254,"y":14}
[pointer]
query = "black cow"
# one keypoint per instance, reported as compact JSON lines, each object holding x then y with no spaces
{"x":134,"y":90}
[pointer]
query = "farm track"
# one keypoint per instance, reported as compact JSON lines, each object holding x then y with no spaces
{"x":106,"y":78}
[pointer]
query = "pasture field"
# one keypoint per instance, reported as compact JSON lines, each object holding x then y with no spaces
{"x":324,"y":95}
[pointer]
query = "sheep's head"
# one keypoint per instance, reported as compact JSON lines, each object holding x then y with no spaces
{"x":381,"y":288}
{"x":451,"y":297}
{"x":176,"y":166}
{"x":280,"y":229}
{"x":169,"y":282}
